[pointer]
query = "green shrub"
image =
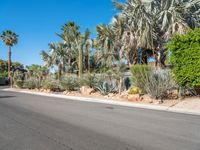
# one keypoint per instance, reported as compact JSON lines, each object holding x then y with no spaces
{"x":20,"y":83}
{"x":159,"y":82}
{"x":140,"y":74}
{"x":88,"y":80}
{"x":51,"y":84}
{"x":31,"y":84}
{"x":3,"y":74}
{"x":184,"y":51}
{"x":133,"y":90}
{"x":152,"y":81}
{"x":70,"y":83}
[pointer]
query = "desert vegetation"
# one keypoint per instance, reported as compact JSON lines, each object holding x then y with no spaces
{"x":157,"y":42}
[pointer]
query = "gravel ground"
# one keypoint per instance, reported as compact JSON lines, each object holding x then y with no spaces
{"x":189,"y":103}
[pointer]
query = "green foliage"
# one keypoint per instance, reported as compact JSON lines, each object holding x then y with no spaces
{"x":4,"y":67}
{"x":31,"y":84}
{"x":140,"y":76}
{"x":88,"y":80}
{"x":158,"y":83}
{"x":18,"y":76}
{"x":51,"y":83}
{"x":3,"y":74}
{"x":20,"y":83}
{"x":184,"y":53}
{"x":9,"y":38}
{"x":152,"y":81}
{"x":70,"y":83}
{"x":105,"y":87}
{"x":134,"y":90}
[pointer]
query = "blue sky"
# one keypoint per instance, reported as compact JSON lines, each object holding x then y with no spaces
{"x":36,"y":21}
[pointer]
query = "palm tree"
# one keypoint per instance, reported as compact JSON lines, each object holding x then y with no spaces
{"x":57,"y":56}
{"x":83,"y":43}
{"x":106,"y":46}
{"x":138,"y":34}
{"x":143,"y":25}
{"x":176,"y":16}
{"x":77,"y":44}
{"x":10,"y":39}
{"x":89,"y":43}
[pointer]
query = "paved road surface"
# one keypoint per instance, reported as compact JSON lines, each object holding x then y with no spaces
{"x":29,"y":122}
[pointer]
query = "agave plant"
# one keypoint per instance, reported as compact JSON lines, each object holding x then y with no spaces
{"x":105,"y":87}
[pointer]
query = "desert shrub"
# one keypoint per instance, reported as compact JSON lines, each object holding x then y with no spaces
{"x":51,"y":83}
{"x":70,"y":83}
{"x":18,"y":76}
{"x":88,"y":80}
{"x":184,"y":52}
{"x":31,"y":84}
{"x":140,"y":76}
{"x":133,"y":90}
{"x":159,"y":82}
{"x":20,"y":83}
{"x":152,"y":81}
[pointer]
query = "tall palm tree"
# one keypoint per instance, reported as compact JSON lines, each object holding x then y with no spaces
{"x":106,"y":46}
{"x":77,"y":44}
{"x":139,"y":34}
{"x":10,"y":39}
{"x":83,"y":43}
{"x":149,"y":24}
{"x":89,"y":43}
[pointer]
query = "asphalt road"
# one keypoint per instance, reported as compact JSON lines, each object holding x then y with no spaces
{"x":29,"y":122}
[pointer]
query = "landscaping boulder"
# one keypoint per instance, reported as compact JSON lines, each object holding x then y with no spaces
{"x":86,"y":90}
{"x":134,"y":97}
{"x":146,"y":98}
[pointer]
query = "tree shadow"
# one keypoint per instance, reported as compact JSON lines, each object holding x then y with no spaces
{"x":7,"y":96}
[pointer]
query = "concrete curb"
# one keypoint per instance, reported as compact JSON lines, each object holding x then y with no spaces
{"x":110,"y":102}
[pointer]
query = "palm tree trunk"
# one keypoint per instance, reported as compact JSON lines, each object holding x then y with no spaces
{"x":9,"y":65}
{"x":88,"y":60}
{"x":63,"y":66}
{"x":9,"y":61}
{"x":80,"y":61}
{"x":120,"y":85}
{"x":59,"y":71}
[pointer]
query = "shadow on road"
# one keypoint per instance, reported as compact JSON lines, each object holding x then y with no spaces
{"x":7,"y":96}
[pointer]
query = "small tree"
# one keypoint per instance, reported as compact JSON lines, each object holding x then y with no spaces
{"x":184,"y":53}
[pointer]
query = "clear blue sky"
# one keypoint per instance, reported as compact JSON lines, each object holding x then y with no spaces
{"x":36,"y":21}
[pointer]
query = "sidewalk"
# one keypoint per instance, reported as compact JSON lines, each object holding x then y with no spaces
{"x":191,"y":106}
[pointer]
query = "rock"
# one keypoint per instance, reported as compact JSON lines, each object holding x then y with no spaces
{"x":111,"y":95}
{"x":106,"y":96}
{"x":134,"y":98}
{"x":174,"y":94}
{"x":66,"y":92}
{"x":147,"y":99}
{"x":86,"y":90}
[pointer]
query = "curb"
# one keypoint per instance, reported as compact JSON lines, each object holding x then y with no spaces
{"x":110,"y":102}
